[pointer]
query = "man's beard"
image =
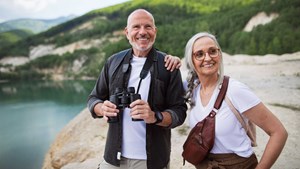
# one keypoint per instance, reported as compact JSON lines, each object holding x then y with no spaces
{"x":134,"y":45}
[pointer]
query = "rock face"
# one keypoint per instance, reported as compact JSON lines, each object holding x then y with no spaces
{"x":80,"y":143}
{"x":13,"y":61}
{"x":260,"y":19}
{"x":275,"y":79}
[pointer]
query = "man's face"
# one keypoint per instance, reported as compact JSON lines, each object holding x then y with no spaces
{"x":141,"y":32}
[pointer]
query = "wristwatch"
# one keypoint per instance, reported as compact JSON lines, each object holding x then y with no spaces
{"x":159,"y":117}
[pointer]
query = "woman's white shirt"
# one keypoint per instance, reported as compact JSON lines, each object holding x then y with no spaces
{"x":230,"y":136}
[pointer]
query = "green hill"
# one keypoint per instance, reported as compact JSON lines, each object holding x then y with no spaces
{"x":176,"y":22}
{"x":12,"y":36}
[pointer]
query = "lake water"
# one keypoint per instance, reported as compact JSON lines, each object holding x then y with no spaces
{"x":32,"y":114}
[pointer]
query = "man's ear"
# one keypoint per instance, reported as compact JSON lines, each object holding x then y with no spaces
{"x":126,"y":32}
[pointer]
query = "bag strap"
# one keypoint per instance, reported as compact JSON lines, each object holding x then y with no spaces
{"x":236,"y":113}
{"x":222,"y":94}
{"x":251,"y":133}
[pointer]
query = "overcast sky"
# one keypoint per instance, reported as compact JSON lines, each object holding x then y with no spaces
{"x":49,"y":9}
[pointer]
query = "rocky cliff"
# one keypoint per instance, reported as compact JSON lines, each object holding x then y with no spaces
{"x":79,"y":145}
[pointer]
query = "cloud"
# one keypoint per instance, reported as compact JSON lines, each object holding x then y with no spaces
{"x":33,"y":5}
{"x":49,"y":9}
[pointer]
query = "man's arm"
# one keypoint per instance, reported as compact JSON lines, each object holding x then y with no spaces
{"x":100,"y":92}
{"x":175,"y":99}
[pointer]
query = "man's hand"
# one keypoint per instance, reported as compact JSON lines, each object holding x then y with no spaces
{"x":141,"y":110}
{"x":106,"y":109}
{"x":172,"y":62}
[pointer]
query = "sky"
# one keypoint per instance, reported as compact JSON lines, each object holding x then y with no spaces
{"x":49,"y":9}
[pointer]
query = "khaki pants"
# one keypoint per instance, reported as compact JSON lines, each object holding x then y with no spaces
{"x":127,"y":164}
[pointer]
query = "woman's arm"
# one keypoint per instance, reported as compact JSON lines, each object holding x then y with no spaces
{"x":266,"y":120}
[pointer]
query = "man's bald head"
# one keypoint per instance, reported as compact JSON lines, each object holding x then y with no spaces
{"x":136,"y":12}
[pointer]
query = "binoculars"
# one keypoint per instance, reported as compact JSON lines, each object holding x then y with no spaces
{"x":122,"y":98}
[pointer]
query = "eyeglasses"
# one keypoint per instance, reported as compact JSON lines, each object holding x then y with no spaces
{"x":212,"y":52}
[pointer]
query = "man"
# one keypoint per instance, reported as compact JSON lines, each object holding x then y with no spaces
{"x":139,"y":134}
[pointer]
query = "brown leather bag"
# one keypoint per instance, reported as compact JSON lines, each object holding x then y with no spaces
{"x":201,"y":138}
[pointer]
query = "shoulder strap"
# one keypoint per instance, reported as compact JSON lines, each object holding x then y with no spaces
{"x":222,"y":94}
{"x":236,"y":113}
{"x":148,"y":64}
{"x":250,"y":130}
{"x":146,"y":68}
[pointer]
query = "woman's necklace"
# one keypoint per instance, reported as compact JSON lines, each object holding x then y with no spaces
{"x":206,"y":95}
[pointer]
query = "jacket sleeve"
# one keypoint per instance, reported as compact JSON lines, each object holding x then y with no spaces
{"x":175,"y":99}
{"x":100,"y":92}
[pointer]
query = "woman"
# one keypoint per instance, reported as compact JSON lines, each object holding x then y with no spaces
{"x":232,"y":148}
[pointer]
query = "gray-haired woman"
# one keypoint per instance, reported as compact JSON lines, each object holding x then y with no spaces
{"x":232,"y":147}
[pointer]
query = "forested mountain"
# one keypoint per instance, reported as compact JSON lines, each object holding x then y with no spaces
{"x":15,"y":30}
{"x":88,"y":40}
{"x":33,"y":25}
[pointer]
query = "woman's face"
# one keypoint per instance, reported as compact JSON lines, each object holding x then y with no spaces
{"x":206,"y":57}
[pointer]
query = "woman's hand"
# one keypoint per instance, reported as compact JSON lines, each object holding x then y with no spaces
{"x":172,"y":62}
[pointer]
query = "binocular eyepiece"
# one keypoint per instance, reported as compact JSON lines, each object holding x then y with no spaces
{"x":122,"y":98}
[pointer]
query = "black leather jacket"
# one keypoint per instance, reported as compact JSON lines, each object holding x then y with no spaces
{"x":166,"y":94}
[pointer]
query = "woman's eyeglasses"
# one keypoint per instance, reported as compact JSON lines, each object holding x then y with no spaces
{"x":212,"y":52}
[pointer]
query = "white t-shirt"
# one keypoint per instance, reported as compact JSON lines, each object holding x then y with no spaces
{"x":134,"y":132}
{"x":230,"y":136}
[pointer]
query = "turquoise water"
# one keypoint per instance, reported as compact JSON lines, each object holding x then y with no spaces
{"x":32,"y":114}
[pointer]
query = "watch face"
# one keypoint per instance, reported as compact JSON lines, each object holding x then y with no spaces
{"x":159,"y":116}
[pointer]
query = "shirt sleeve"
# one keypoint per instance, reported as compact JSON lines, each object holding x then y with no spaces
{"x":242,"y":97}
